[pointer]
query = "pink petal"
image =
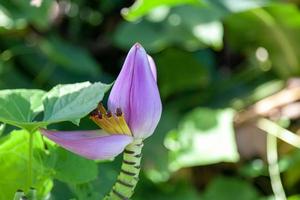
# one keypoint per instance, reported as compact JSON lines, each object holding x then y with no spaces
{"x":136,"y":93}
{"x":95,"y":145}
{"x":152,"y":67}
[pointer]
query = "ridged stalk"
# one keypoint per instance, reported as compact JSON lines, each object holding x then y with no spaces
{"x":126,"y":181}
{"x":19,"y":195}
{"x":32,"y":194}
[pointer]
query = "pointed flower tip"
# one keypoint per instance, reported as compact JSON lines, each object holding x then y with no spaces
{"x":136,"y":93}
{"x":138,"y":45}
{"x":139,"y":49}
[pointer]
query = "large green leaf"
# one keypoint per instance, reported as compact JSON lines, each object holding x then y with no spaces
{"x":205,"y":136}
{"x":14,"y":162}
{"x":71,"y":102}
{"x":20,"y":106}
{"x":142,"y":7}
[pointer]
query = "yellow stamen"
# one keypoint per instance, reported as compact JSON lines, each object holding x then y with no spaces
{"x":104,"y":126}
{"x":115,"y":124}
{"x":112,"y":123}
{"x":123,"y":124}
{"x":105,"y":121}
{"x":102,"y":109}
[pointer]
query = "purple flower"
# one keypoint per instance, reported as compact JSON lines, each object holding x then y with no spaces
{"x":134,"y":110}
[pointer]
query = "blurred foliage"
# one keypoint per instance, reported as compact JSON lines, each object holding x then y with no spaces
{"x":203,"y":137}
{"x":214,"y":58}
{"x":14,"y":162}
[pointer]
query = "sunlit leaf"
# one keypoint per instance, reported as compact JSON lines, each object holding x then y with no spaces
{"x":20,"y":106}
{"x":196,"y":27}
{"x":294,"y":197}
{"x":205,"y":136}
{"x":71,"y":102}
{"x":236,"y":5}
{"x":68,"y":102}
{"x":14,"y":162}
{"x":142,"y":7}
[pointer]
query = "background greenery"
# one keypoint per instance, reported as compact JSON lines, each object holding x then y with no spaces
{"x":214,"y":58}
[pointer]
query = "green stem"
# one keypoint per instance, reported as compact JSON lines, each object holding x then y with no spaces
{"x":30,"y":158}
{"x":126,"y":182}
{"x":274,"y":171}
{"x":32,"y":194}
{"x":18,"y":195}
{"x":279,"y":132}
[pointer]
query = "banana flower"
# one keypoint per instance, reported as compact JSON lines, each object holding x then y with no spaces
{"x":134,"y":110}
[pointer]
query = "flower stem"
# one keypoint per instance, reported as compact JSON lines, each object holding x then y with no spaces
{"x":18,"y":195}
{"x":279,"y":132}
{"x":32,"y":194}
{"x":30,"y":155}
{"x":274,"y":171}
{"x":124,"y":187}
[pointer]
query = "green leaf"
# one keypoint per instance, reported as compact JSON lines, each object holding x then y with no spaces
{"x":192,"y":76}
{"x":14,"y":162}
{"x":70,"y":57}
{"x":202,"y":22}
{"x":68,"y":102}
{"x":236,"y":5}
{"x":71,"y":102}
{"x":19,"y":107}
{"x":71,"y":168}
{"x":142,"y":7}
{"x":224,"y":188}
{"x":294,"y":197}
{"x":205,"y":136}
{"x":196,"y":27}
